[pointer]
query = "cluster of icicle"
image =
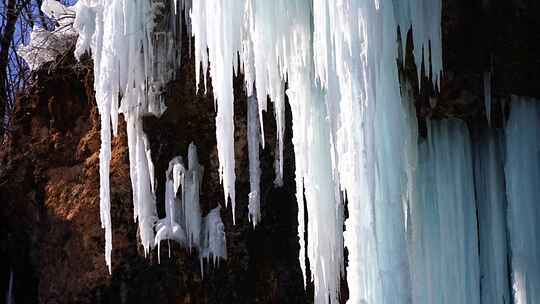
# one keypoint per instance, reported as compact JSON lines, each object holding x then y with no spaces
{"x":350,"y":127}
{"x":183,"y":222}
{"x":412,"y":232}
{"x":136,"y":48}
{"x":133,"y":56}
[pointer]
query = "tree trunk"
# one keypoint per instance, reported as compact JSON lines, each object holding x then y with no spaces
{"x":5,"y":43}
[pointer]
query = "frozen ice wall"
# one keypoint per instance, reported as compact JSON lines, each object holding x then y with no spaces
{"x":522,"y":170}
{"x":422,"y":225}
{"x":443,"y":237}
{"x":491,"y":201}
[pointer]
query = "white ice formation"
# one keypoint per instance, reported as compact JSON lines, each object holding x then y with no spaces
{"x":183,"y":222}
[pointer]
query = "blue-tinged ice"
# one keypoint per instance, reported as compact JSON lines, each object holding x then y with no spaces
{"x":522,"y":170}
{"x":443,"y":225}
{"x":491,"y":201}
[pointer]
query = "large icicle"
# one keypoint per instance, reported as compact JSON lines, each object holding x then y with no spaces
{"x":443,"y":241}
{"x":491,"y":201}
{"x":522,"y":171}
{"x":312,"y":146}
{"x":254,"y":207}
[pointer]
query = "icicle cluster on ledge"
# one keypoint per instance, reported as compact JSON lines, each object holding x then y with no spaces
{"x":429,"y":220}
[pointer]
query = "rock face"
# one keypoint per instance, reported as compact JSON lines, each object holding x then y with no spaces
{"x":49,"y":175}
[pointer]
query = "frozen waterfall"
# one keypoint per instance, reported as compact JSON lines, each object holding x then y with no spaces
{"x":451,"y":218}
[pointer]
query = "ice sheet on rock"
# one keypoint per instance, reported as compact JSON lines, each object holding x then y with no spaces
{"x":443,"y":239}
{"x":491,"y":202}
{"x":522,"y":171}
{"x":254,"y":206}
{"x":58,"y":12}
{"x":44,"y":45}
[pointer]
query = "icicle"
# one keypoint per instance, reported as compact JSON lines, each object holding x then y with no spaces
{"x":253,"y":131}
{"x":491,"y":201}
{"x":217,"y":30}
{"x":9,"y":293}
{"x":522,"y":170}
{"x":424,"y":17}
{"x":443,"y":242}
{"x":487,"y":95}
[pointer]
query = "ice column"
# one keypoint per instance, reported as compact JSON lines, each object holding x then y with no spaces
{"x":491,"y":201}
{"x":253,"y":131}
{"x":443,"y":238}
{"x":487,"y":95}
{"x":522,"y":170}
{"x":190,"y":198}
